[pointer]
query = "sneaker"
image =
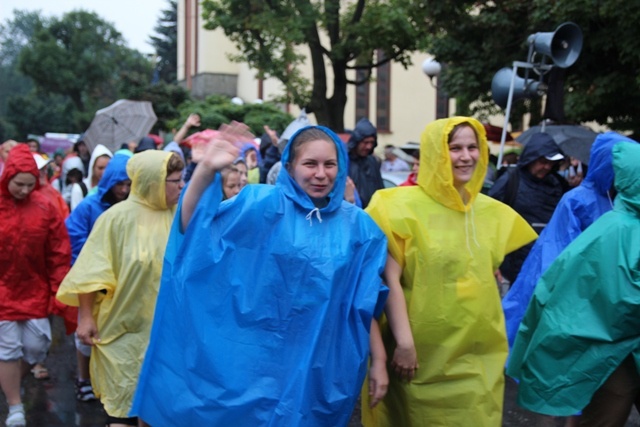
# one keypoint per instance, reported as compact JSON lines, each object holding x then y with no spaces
{"x":84,"y":391}
{"x":16,"y":418}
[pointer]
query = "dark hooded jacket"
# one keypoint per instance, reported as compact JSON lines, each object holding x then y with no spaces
{"x":535,"y":199}
{"x":364,"y":171}
{"x":34,"y":247}
{"x":82,"y":219}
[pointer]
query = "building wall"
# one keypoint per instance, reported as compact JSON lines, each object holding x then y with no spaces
{"x":412,"y":98}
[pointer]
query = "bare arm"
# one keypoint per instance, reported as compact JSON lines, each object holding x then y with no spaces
{"x":192,"y":120}
{"x":378,"y":377}
{"x":404,"y":360}
{"x":87,"y":330}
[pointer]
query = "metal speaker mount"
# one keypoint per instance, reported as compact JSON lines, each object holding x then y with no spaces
{"x":522,"y":88}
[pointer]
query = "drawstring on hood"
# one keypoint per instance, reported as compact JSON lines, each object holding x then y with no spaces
{"x":470,"y":223}
{"x":309,"y":216}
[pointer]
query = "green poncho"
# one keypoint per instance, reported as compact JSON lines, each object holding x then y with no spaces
{"x":583,"y":319}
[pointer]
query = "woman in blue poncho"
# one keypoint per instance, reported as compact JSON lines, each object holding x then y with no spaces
{"x":267,"y":298}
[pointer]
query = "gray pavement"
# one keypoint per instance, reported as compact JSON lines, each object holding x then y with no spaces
{"x":52,"y":402}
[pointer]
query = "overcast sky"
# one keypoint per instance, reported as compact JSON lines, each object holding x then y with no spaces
{"x":135,"y":19}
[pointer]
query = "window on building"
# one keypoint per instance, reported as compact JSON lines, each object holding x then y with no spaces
{"x":383,"y":94}
{"x":442,"y":104}
{"x":362,"y":96}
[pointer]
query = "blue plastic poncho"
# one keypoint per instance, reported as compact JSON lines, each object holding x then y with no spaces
{"x":264,"y":310}
{"x":583,"y":320}
{"x":82,"y":219}
{"x":448,"y":251}
{"x":577,"y":210}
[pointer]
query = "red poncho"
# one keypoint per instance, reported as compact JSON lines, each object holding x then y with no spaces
{"x":35,"y":253}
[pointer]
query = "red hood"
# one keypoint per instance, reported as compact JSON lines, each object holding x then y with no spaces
{"x":20,"y":160}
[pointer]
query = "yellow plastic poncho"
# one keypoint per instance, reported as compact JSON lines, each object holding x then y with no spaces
{"x":448,"y":252}
{"x":122,"y":261}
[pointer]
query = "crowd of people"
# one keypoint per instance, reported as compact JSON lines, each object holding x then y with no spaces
{"x":225,"y":279}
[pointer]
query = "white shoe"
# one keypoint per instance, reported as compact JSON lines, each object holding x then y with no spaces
{"x":16,"y":419}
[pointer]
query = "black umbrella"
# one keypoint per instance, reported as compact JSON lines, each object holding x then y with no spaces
{"x":573,"y":140}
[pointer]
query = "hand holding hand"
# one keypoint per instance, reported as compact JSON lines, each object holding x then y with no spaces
{"x":405,"y":362}
{"x":378,"y":381}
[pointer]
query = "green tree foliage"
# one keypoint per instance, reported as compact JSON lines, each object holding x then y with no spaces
{"x":476,"y":39}
{"x":38,"y":113}
{"x":14,"y":35}
{"x":164,"y":97}
{"x":55,"y":73}
{"x":82,"y":57}
{"x":217,"y":110}
{"x":166,"y":43}
{"x":340,"y":36}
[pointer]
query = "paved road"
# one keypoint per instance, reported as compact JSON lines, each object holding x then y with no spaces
{"x":52,"y":403}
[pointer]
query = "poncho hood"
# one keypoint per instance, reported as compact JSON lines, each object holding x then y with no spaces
{"x":294,"y":192}
{"x":99,"y":151}
{"x":363,"y":129}
{"x":626,"y":158}
{"x":148,"y":171}
{"x":436,"y":176}
{"x":248,"y":147}
{"x":540,"y":145}
{"x":175,"y":148}
{"x":600,"y":172}
{"x":69,"y":164}
{"x":115,"y":172}
{"x":20,"y":160}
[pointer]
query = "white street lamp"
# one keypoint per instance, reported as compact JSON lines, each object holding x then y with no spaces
{"x":431,"y":68}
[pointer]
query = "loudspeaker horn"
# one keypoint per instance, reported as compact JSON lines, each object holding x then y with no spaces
{"x":563,"y":45}
{"x":522,"y":88}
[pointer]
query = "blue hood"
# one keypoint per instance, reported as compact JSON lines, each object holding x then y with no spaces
{"x":294,"y":192}
{"x":247,"y":147}
{"x":115,"y":172}
{"x":600,"y":172}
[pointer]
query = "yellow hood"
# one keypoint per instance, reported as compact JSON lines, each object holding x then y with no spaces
{"x":435,"y":176}
{"x":148,"y":171}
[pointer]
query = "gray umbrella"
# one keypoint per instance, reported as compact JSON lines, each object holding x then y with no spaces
{"x":121,"y":122}
{"x":573,"y":140}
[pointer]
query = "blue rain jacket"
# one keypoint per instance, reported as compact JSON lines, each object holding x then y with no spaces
{"x":583,"y":320}
{"x":264,"y":310}
{"x":83,"y":217}
{"x":577,"y":210}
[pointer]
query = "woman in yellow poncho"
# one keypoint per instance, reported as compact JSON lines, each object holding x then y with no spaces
{"x":116,"y":277}
{"x":444,"y":330}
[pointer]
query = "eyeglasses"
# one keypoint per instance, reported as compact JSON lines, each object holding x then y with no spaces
{"x":174,"y":181}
